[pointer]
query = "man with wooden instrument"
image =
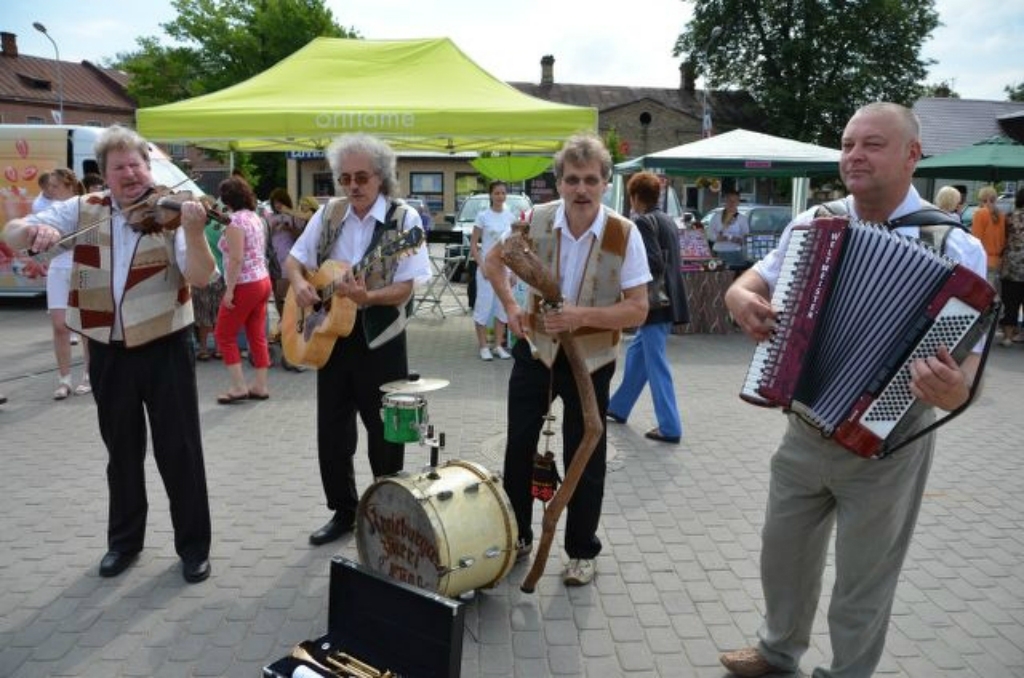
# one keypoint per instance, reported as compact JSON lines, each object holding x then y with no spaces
{"x":130,"y":298}
{"x":816,"y":485}
{"x":369,"y":309}
{"x":599,"y":262}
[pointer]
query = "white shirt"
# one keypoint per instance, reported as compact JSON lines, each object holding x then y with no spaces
{"x":493,"y":227}
{"x":575,"y":252}
{"x":737,"y":228}
{"x":355,"y":238}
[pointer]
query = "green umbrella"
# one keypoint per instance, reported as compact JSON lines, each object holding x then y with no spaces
{"x":997,"y":158}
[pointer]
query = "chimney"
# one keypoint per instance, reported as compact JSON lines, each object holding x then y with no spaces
{"x":547,"y":70}
{"x":688,"y":76}
{"x":9,"y":44}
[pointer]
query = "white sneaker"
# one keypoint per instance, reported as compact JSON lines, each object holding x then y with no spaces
{"x":485,"y":354}
{"x":502,"y":353}
{"x":579,"y":572}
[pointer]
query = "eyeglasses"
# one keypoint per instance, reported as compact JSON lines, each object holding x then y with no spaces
{"x":360,"y":178}
{"x":590,"y":180}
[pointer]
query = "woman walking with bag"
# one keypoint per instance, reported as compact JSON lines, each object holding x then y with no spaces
{"x":646,"y":361}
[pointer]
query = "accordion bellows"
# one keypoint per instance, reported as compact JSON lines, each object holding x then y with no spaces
{"x":857,"y":304}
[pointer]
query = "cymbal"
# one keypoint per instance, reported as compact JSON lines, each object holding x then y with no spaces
{"x":417,"y":385}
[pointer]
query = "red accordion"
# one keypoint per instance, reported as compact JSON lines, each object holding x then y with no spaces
{"x":857,"y":304}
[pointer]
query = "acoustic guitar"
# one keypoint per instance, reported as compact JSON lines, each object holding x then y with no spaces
{"x":308,"y":334}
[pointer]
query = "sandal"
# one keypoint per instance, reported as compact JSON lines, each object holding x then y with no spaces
{"x":83,"y":388}
{"x":231,"y":398}
{"x":656,"y":434}
{"x":203,"y":356}
{"x":62,"y":392}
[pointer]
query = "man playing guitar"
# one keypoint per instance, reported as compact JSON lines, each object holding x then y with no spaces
{"x":374,"y":352}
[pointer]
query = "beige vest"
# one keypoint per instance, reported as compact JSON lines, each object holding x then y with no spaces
{"x":601,"y":285}
{"x":156,"y":301}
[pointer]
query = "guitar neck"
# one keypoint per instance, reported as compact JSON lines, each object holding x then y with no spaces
{"x":327,"y":290}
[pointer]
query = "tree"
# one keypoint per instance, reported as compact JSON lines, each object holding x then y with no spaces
{"x":810,"y":64}
{"x":1015,"y":92}
{"x":940,"y":90}
{"x":219,"y":43}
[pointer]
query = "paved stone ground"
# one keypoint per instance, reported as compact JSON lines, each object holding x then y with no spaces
{"x":676,"y":584}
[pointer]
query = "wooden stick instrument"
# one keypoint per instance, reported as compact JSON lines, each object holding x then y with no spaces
{"x":518,"y":254}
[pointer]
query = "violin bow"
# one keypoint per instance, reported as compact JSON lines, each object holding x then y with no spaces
{"x":518,"y":255}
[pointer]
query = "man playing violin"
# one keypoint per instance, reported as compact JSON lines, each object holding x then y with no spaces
{"x":130,"y":297}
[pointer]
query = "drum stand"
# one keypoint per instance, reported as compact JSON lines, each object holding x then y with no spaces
{"x":436,"y":445}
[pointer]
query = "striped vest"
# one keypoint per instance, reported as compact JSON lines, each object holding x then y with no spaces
{"x":601,"y":285}
{"x":156,"y":300}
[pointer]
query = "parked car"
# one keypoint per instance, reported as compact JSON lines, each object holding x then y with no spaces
{"x":683,"y":216}
{"x":766,"y":225}
{"x":1004,"y":203}
{"x":463,"y":221}
{"x":420,"y":206}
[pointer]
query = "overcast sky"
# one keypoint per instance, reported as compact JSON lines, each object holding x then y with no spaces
{"x":977,"y":49}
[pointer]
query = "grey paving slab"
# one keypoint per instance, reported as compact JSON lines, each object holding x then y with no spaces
{"x":677,"y":582}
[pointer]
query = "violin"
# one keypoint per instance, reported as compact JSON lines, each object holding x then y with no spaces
{"x":159,"y":209}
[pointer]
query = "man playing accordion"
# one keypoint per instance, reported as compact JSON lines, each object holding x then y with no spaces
{"x":816,"y":483}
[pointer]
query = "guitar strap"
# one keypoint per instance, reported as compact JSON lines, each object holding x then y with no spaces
{"x":381,"y":324}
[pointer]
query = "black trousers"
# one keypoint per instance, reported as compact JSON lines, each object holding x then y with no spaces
{"x":528,"y":390}
{"x":158,"y":381}
{"x":347,"y":385}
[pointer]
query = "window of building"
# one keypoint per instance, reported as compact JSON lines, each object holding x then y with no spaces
{"x":429,"y":187}
{"x":323,"y":183}
{"x":35,"y":120}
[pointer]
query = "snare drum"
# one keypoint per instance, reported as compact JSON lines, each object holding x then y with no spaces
{"x":404,"y":416}
{"x":448,"y":530}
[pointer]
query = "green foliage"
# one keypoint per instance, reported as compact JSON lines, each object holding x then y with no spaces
{"x":940,"y":90}
{"x":1014,"y":92}
{"x":219,"y":43}
{"x":810,"y":64}
{"x":614,"y":143}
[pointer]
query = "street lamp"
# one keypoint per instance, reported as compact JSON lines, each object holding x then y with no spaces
{"x":60,"y":83}
{"x":705,"y":120}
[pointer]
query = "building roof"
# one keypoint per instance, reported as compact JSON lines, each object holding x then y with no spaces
{"x":34,"y":80}
{"x":951,"y":124}
{"x":733,"y":109}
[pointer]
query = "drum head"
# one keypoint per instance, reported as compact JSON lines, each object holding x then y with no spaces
{"x":396,"y":536}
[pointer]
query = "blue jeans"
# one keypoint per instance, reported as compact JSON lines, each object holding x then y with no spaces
{"x":646,"y":363}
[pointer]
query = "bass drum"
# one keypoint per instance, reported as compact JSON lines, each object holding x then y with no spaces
{"x":449,"y":530}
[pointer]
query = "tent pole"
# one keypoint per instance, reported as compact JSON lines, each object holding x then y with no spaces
{"x":801,"y":188}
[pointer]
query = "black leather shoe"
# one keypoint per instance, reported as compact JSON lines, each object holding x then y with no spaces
{"x":116,"y":562}
{"x":195,"y":571}
{"x":340,"y":524}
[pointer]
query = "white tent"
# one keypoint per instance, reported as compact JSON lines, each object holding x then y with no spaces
{"x":742,"y":153}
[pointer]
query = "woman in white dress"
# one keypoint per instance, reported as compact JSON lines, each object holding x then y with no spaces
{"x":491,"y":226}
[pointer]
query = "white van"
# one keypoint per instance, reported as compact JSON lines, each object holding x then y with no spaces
{"x":26,"y":151}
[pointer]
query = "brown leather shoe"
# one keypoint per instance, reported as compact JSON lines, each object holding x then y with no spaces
{"x":748,"y":663}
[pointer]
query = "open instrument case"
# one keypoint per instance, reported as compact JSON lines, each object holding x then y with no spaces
{"x":391,"y":629}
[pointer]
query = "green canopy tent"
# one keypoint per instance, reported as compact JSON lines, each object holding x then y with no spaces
{"x":997,"y":158}
{"x":423,"y":95}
